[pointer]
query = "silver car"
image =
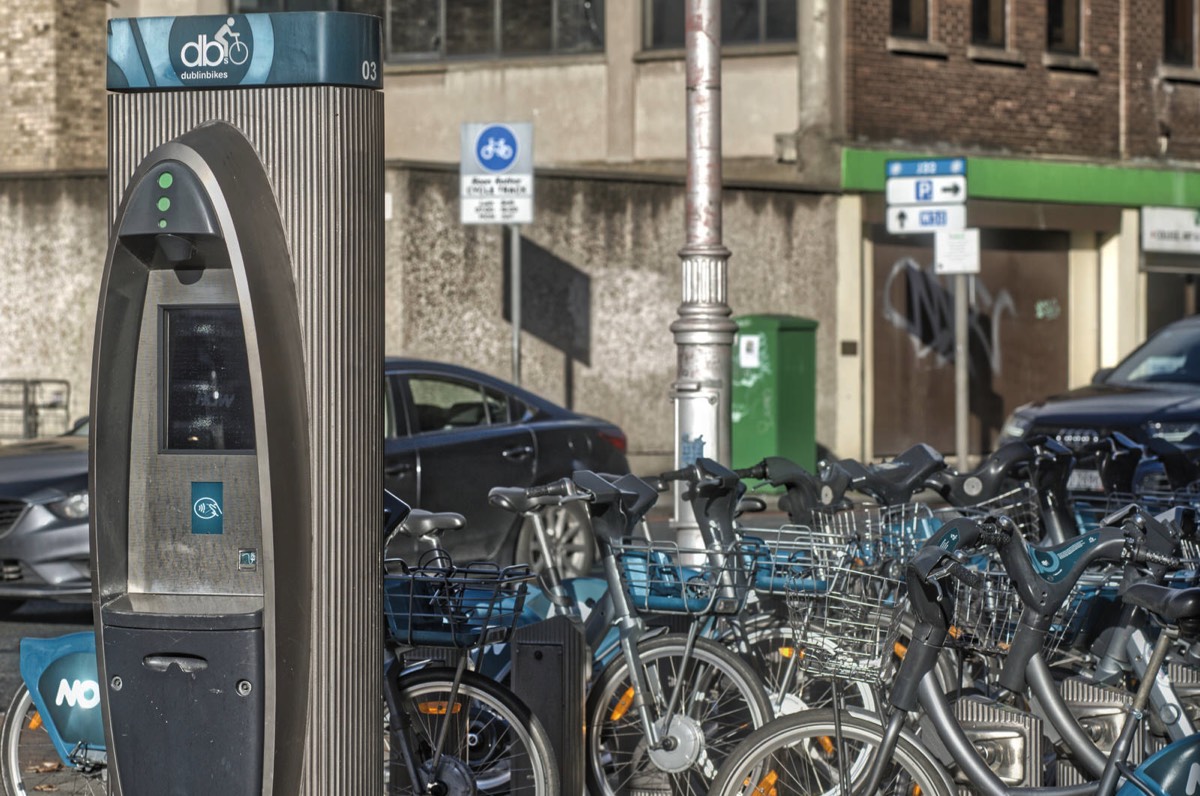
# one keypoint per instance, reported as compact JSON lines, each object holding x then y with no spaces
{"x":44,"y":549}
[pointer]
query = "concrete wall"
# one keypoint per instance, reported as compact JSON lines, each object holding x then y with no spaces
{"x":580,"y":107}
{"x":445,"y":287}
{"x":54,"y":241}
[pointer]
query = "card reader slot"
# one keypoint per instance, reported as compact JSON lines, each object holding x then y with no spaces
{"x":188,"y":664}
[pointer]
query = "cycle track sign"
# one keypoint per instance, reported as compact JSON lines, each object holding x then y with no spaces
{"x":496,"y":173}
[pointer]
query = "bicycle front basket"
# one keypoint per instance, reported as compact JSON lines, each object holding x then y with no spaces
{"x":450,"y":606}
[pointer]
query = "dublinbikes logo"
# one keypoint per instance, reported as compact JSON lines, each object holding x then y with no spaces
{"x":208,"y":514}
{"x":205,"y":49}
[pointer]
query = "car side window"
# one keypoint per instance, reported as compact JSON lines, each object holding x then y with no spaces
{"x":440,"y":403}
{"x":519,"y":410}
{"x":395,"y":419}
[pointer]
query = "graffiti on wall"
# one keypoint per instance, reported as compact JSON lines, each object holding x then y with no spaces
{"x":926,"y":314}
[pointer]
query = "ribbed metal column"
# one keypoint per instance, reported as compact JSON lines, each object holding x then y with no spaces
{"x":704,"y":331}
{"x":323,"y":149}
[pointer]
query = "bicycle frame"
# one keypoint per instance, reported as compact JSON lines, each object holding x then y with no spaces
{"x":61,"y":676}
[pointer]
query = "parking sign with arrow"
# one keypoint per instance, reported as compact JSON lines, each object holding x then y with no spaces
{"x":926,"y":195}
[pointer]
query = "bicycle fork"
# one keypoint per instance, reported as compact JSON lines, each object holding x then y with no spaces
{"x":401,"y":735}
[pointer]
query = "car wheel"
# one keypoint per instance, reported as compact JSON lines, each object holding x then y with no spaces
{"x":569,"y":535}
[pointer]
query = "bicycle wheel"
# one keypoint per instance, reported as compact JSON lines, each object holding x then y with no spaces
{"x":798,"y":755}
{"x":493,"y":745}
{"x":721,"y":702}
{"x":31,"y":763}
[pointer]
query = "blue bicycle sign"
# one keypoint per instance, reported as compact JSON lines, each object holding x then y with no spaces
{"x":496,"y":148}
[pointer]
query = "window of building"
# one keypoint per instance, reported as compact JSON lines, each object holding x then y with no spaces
{"x":989,"y":23}
{"x":417,"y":30}
{"x":1179,"y":32}
{"x":742,"y":22}
{"x":1063,"y":31}
{"x":910,"y":19}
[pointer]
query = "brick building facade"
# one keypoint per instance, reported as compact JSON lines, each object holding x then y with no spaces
{"x":51,"y":78}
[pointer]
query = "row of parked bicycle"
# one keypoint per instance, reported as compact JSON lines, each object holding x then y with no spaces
{"x":998,"y":635}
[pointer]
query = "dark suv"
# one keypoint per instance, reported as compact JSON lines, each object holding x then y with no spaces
{"x":1154,"y":393}
{"x":450,"y":434}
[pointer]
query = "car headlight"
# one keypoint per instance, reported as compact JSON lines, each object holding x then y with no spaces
{"x":1174,"y":433}
{"x":73,"y":507}
{"x":1015,"y":427}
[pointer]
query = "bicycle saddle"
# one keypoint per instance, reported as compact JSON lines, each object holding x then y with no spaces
{"x":420,"y":523}
{"x":897,"y":480}
{"x":1117,"y":461}
{"x":1180,"y":470}
{"x":993,"y":477}
{"x":1175,"y":606}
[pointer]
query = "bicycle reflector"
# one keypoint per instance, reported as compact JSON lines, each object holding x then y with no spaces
{"x":622,"y":705}
{"x":766,"y":786}
{"x":438,"y":708}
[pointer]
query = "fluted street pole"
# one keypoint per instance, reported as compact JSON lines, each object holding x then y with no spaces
{"x":704,"y":331}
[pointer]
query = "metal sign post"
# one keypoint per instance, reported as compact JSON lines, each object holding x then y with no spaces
{"x":496,"y":187}
{"x":957,"y":253}
{"x":703,"y":331}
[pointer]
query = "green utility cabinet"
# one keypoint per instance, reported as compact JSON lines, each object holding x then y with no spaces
{"x":775,"y":390}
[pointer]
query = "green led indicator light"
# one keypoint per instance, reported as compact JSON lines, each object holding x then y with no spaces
{"x":162,"y":223}
{"x":164,"y":204}
{"x":165,"y":179}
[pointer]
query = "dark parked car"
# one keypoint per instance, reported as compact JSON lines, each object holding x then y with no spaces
{"x":1154,"y":393}
{"x":450,"y":435}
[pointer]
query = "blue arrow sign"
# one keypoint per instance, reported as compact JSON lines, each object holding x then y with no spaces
{"x":933,"y":167}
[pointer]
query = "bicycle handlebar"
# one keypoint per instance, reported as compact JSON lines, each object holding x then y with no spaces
{"x":956,"y":569}
{"x":563,"y":487}
{"x":758,"y":471}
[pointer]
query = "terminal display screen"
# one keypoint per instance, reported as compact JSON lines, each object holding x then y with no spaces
{"x":208,"y":404}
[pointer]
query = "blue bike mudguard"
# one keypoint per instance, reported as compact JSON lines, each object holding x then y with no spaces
{"x":1174,"y":769}
{"x":62,"y":679}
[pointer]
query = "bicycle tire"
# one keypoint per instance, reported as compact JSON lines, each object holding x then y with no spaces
{"x":30,"y":762}
{"x":793,"y":755}
{"x":480,"y":752}
{"x":725,"y":699}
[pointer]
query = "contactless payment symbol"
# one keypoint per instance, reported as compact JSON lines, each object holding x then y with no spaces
{"x":208,"y":508}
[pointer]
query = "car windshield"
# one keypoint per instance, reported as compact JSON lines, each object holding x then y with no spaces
{"x":1172,"y":355}
{"x":80,"y":430}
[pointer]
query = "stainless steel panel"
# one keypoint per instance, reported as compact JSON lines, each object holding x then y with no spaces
{"x":323,"y":151}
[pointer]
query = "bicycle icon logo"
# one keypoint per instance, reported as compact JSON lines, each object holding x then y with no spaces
{"x":225,"y":47}
{"x":496,"y":148}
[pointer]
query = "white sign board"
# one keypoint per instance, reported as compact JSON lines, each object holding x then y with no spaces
{"x":1173,"y":230}
{"x":956,"y":252}
{"x":906,"y":219}
{"x":496,"y":173}
{"x":944,"y":189}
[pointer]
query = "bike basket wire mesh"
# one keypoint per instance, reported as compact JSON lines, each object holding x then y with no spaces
{"x":849,"y":629}
{"x":793,"y":556}
{"x":881,"y":533}
{"x":1020,"y":505}
{"x":986,"y":617}
{"x":442,"y":605}
{"x":660,"y":577}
